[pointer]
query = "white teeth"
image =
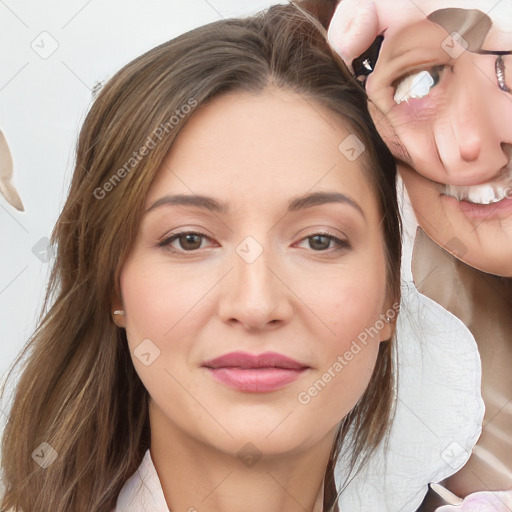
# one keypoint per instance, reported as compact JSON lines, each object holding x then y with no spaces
{"x":414,"y":86}
{"x":480,"y":194}
{"x":487,"y":193}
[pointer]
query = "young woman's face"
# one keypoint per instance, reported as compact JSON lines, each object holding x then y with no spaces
{"x":259,"y":237}
{"x":451,"y":110}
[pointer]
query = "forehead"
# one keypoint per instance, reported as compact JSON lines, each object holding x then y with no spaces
{"x":262,"y":146}
{"x":421,"y":33}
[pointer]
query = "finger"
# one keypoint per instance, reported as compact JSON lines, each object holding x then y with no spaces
{"x":353,"y":28}
{"x":482,"y":502}
{"x":5,"y":158}
{"x":7,"y":189}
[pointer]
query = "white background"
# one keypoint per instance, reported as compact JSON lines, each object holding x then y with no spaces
{"x":43,"y":102}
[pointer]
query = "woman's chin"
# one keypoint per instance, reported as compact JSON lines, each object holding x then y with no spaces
{"x":271,"y":436}
{"x":491,"y":258}
{"x":253,"y":446}
{"x":481,"y":241}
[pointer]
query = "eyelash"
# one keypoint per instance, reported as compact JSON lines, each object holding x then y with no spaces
{"x":500,"y":67}
{"x":166,"y":242}
{"x":441,"y":69}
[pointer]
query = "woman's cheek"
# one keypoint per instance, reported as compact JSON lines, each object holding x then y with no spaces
{"x":153,"y":297}
{"x":422,"y":111}
{"x":356,"y":311}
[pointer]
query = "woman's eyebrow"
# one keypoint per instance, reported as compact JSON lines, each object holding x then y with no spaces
{"x":298,"y":203}
{"x":494,"y":52}
{"x":472,"y":25}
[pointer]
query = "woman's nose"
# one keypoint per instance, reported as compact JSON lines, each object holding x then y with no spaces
{"x":472,"y":132}
{"x":254,"y":293}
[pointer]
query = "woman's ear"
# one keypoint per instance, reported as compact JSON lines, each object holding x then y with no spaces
{"x":388,"y":319}
{"x":118,"y":312}
{"x":118,"y":316}
{"x":387,"y":330}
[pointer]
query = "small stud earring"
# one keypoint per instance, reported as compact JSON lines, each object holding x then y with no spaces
{"x":118,"y":312}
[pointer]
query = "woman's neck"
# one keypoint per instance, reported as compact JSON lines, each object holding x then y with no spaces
{"x":196,"y":477}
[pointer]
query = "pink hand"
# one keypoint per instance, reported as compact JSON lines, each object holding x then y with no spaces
{"x":353,"y":28}
{"x":483,"y":502}
{"x":356,"y":23}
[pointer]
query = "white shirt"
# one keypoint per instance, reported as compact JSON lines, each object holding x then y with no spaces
{"x":142,"y":492}
{"x":440,"y":409}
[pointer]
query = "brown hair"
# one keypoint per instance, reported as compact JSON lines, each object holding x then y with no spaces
{"x":79,"y":391}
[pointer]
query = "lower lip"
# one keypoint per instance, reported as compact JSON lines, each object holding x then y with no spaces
{"x":501,"y":208}
{"x":257,"y":380}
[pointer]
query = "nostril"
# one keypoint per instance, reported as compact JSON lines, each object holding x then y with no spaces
{"x":507,"y":151}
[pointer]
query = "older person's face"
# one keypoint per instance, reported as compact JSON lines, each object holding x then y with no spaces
{"x":446,"y":114}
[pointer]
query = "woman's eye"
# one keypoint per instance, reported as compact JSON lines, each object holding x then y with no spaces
{"x":418,"y":85}
{"x":187,"y":240}
{"x":322,"y":241}
{"x":503,"y":67}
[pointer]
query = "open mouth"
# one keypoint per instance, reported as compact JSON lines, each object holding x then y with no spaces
{"x":485,"y":193}
{"x":480,"y":194}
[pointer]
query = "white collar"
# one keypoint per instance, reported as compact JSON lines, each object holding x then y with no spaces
{"x":142,"y":492}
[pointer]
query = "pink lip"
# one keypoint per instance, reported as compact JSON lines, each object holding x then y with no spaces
{"x":255,"y":374}
{"x":500,"y":209}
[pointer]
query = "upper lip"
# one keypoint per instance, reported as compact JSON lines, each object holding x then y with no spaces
{"x":502,"y":176}
{"x":249,"y":361}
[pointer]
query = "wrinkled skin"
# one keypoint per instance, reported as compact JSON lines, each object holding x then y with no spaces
{"x":446,"y":136}
{"x":454,"y":150}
